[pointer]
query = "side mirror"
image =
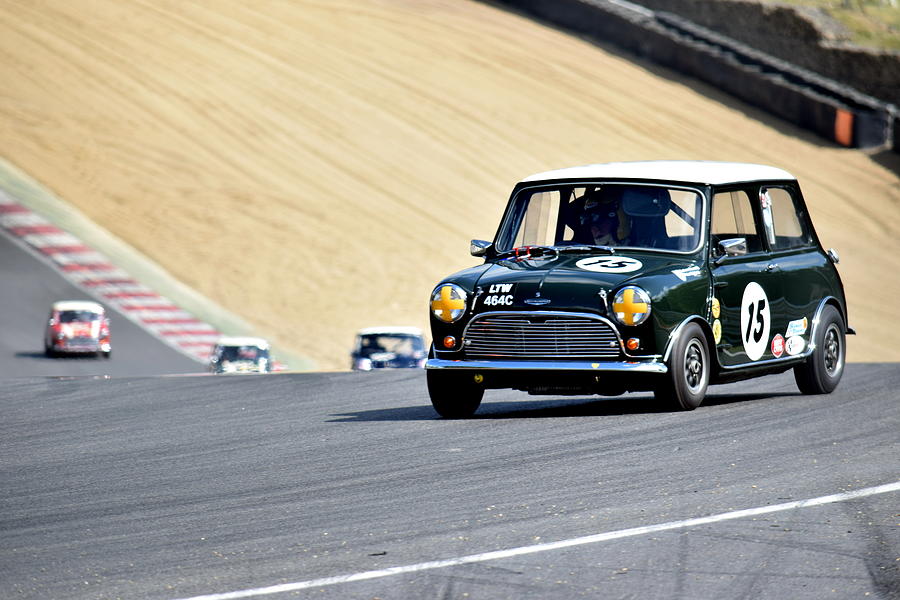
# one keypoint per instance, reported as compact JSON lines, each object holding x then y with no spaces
{"x":732,"y":247}
{"x":834,"y":256}
{"x":479,"y":247}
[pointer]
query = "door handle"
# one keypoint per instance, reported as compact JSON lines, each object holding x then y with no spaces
{"x":771,"y":266}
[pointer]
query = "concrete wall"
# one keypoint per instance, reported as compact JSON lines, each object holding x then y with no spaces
{"x":830,"y":108}
{"x":807,"y":37}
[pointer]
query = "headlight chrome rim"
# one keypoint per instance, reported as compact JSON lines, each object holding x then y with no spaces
{"x":631,"y":306}
{"x":448,"y":302}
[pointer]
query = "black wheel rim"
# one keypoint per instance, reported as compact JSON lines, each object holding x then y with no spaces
{"x":694,"y":365}
{"x":832,"y":350}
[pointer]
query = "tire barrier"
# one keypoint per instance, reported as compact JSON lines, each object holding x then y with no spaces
{"x":832,"y":110}
{"x":897,"y":133}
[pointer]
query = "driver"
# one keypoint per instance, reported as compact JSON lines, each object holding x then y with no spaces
{"x":601,"y":221}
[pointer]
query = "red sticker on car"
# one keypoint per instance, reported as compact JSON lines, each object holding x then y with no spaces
{"x":778,"y":345}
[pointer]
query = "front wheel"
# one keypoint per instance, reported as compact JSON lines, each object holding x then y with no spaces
{"x":453,"y":395}
{"x":822,"y":371}
{"x":689,"y":365}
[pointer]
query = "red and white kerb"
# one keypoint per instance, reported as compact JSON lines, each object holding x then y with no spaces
{"x":95,"y":274}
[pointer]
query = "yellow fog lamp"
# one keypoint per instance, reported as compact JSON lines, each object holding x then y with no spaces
{"x":448,"y":302}
{"x":631,"y":305}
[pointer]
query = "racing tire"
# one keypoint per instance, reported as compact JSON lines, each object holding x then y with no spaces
{"x":107,"y":354}
{"x":823,"y":368}
{"x":453,"y":395}
{"x":689,"y":368}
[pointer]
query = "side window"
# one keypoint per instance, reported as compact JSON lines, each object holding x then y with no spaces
{"x":538,"y":226}
{"x":732,"y":217}
{"x":785,"y":225}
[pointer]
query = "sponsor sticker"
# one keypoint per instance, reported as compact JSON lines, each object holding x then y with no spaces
{"x":794,"y":345}
{"x":716,"y":308}
{"x":778,"y":345}
{"x":499,"y":294}
{"x":717,"y":330}
{"x":797,"y":327}
{"x":755,"y":320}
{"x":609,"y":264}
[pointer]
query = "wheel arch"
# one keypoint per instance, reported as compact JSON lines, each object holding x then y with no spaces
{"x":817,"y":316}
{"x":706,"y":328}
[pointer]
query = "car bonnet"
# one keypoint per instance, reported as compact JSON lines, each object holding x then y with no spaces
{"x":570,"y":282}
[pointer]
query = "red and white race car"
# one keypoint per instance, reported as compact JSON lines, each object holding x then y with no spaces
{"x":77,"y":327}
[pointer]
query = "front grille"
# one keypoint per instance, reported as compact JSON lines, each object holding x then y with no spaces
{"x":535,"y":335}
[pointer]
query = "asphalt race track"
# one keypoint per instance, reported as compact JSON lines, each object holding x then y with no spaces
{"x":120,"y":483}
{"x":28,"y":286}
{"x":176,"y":487}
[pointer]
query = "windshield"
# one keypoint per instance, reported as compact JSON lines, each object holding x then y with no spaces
{"x":401,"y":345}
{"x":75,"y":316}
{"x":617,"y":215}
{"x":233,"y":353}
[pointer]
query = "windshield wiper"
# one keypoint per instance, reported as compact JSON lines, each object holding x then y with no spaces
{"x":527,"y":252}
{"x":581,"y":248}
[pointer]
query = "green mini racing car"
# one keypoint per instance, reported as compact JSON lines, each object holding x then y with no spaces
{"x":662,"y":276}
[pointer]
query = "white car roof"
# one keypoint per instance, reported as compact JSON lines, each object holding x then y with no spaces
{"x":242,"y":341}
{"x":387,"y":330}
{"x":78,"y":305}
{"x":685,"y":171}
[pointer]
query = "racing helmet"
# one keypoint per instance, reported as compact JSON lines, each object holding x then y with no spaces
{"x":603,"y":204}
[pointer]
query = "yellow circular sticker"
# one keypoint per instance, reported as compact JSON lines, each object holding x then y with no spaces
{"x":717,"y":330}
{"x":716,"y":309}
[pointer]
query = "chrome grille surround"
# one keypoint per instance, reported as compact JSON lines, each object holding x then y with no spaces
{"x":541,"y":335}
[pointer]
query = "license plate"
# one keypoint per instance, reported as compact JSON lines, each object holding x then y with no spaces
{"x":498,"y":295}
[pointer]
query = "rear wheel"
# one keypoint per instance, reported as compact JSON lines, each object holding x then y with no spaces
{"x":453,"y":395}
{"x":689,"y":365}
{"x":822,"y":371}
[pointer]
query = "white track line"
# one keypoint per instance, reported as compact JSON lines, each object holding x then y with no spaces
{"x":579,"y":541}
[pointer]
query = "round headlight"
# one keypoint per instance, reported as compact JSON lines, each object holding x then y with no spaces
{"x":631,"y":305}
{"x":448,"y":302}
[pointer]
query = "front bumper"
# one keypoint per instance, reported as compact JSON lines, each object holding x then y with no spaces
{"x":80,"y":346}
{"x":653,"y":366}
{"x":543,"y":377}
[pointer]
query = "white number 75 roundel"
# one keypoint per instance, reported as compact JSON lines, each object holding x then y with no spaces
{"x":755,"y":321}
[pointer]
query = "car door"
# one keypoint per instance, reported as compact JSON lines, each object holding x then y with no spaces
{"x":747,"y":285}
{"x":797,"y":260}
